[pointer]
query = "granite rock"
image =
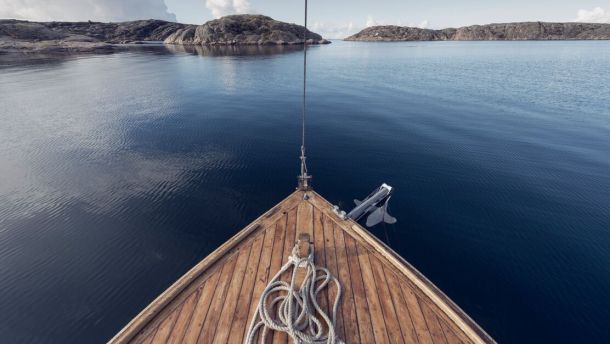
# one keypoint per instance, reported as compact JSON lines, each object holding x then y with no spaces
{"x":491,"y":32}
{"x":244,"y":29}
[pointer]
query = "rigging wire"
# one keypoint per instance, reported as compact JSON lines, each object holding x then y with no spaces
{"x":304,"y":178}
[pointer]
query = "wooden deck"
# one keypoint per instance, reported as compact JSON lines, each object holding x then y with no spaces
{"x":385,"y":300}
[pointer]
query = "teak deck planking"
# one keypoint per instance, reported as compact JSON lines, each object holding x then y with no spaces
{"x":384,"y":299}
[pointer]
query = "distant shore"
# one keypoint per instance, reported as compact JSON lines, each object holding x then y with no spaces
{"x":18,"y":36}
{"x":526,"y":31}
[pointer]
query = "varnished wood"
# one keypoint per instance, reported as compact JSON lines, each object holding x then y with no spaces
{"x":201,"y":309}
{"x":186,"y":313}
{"x":372,"y":297}
{"x":286,"y":233}
{"x":384,"y":299}
{"x":365,"y":327}
{"x":319,"y":254}
{"x":162,"y":334}
{"x":230,"y":301}
{"x":262,"y":272}
{"x":240,"y":319}
{"x":331,"y":265}
{"x":218,"y":300}
{"x":402,"y":311}
{"x":417,"y":316}
{"x":347,"y":305}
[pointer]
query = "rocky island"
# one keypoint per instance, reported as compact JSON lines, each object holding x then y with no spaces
{"x":85,"y":37}
{"x":244,"y":29}
{"x":26,"y":36}
{"x":491,"y":32}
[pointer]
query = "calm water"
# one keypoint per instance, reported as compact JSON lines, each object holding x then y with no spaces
{"x":119,"y":172}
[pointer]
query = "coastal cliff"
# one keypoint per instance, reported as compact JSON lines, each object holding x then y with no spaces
{"x":491,"y":32}
{"x":243,"y":29}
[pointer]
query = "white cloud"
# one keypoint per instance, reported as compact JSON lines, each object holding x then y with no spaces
{"x":370,"y":21}
{"x":424,"y":24}
{"x":331,"y":30}
{"x":79,"y":10}
{"x":221,"y":8}
{"x":597,"y":15}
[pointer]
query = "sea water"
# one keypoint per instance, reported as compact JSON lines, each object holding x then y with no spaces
{"x":120,"y":172}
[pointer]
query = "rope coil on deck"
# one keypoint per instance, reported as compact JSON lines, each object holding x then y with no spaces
{"x":297,"y":311}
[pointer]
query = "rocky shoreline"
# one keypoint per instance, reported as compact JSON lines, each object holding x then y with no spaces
{"x":491,"y":32}
{"x":244,"y":29}
{"x":19,"y":36}
{"x":80,"y":37}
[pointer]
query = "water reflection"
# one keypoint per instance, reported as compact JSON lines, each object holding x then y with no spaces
{"x":234,"y":50}
{"x":30,"y":59}
{"x":12,"y":59}
{"x":8,"y":60}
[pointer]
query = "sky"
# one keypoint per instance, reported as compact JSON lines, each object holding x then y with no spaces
{"x":331,"y":18}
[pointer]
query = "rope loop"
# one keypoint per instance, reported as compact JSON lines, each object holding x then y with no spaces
{"x":296,"y":310}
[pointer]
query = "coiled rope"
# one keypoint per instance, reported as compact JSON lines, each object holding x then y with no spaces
{"x":297,"y":311}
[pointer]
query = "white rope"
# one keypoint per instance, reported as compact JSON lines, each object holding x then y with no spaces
{"x":298,"y":312}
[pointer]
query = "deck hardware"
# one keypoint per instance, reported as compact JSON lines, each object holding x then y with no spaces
{"x":375,"y":205}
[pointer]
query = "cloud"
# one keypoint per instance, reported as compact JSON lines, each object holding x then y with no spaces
{"x":424,"y":24}
{"x":78,"y":10}
{"x":331,"y":30}
{"x":597,"y":15}
{"x":221,"y":8}
{"x":338,"y":31}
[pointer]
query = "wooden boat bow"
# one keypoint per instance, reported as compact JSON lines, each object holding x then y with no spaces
{"x":385,"y":299}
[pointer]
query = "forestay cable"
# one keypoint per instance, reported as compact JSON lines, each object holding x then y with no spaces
{"x":304,"y":178}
